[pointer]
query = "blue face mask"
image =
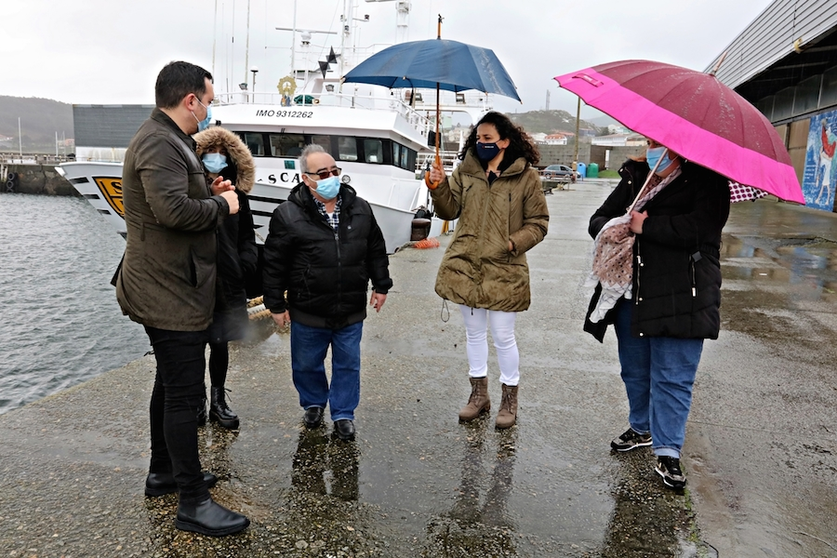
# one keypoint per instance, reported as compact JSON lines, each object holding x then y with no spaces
{"x":214,"y":162}
{"x":487,"y":151}
{"x":328,"y":188}
{"x":204,"y":124}
{"x":653,"y":154}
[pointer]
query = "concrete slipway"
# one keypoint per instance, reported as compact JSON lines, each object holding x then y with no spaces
{"x":761,"y":454}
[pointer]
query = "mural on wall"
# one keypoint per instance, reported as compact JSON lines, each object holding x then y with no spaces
{"x":820,"y":176}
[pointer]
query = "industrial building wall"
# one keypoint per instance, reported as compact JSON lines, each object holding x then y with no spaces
{"x":108,"y":126}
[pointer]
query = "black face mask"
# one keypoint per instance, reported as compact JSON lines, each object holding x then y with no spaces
{"x":487,"y":151}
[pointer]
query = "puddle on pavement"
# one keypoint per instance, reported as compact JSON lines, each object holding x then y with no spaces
{"x":807,"y":263}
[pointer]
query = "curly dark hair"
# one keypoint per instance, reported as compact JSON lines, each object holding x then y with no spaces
{"x":520,"y":144}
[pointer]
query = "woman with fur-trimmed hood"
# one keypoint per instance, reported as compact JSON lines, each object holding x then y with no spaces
{"x":223,"y":153}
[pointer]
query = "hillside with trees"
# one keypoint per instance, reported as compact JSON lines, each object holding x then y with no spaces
{"x":40,"y":119}
{"x":549,"y":121}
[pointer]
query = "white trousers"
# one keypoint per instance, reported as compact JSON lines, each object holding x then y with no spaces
{"x":477,"y":321}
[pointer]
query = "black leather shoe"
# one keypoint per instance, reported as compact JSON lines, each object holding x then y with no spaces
{"x":160,"y":484}
{"x":344,"y":429}
{"x":313,"y":417}
{"x":209,"y":518}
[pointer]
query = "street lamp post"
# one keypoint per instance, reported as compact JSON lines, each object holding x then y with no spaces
{"x":255,"y":71}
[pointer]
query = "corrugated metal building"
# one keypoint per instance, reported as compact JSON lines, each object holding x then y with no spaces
{"x":785,"y":63}
{"x":102,"y":132}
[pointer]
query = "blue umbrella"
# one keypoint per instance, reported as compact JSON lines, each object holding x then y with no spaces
{"x":439,"y":64}
{"x":451,"y":65}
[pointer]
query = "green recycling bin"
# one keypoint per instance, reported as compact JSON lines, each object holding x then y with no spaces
{"x":593,"y":170}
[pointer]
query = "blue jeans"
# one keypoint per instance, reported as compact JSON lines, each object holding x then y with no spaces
{"x":308,"y":351}
{"x":659,"y":373}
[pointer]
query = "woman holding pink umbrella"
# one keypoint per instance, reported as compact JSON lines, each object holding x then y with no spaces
{"x":657,"y":265}
{"x":659,"y":282}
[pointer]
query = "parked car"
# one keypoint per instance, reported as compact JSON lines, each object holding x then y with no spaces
{"x":559,"y":172}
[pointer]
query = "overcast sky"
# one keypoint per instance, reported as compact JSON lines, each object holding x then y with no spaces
{"x":110,"y":51}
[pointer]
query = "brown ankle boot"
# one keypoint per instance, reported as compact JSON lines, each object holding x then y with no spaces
{"x":478,"y":403}
{"x":508,"y":407}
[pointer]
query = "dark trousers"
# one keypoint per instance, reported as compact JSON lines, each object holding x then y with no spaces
{"x":178,"y":393}
{"x":219,"y":360}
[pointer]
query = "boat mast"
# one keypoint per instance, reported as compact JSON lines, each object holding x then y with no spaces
{"x":347,"y":21}
{"x":247,"y":48}
{"x":214,"y":37}
{"x":293,"y":44}
{"x":402,"y":20}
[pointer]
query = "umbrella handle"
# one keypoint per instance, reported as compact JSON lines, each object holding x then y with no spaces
{"x":438,"y":160}
{"x":647,"y":180}
{"x":429,"y":183}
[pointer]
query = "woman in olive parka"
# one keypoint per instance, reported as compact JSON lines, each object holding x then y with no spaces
{"x":496,"y":197}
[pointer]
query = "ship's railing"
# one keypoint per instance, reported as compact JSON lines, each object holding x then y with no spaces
{"x":15,"y":158}
{"x":424,"y":160}
{"x":365,"y":102}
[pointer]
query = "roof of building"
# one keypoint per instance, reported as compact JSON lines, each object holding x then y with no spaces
{"x":788,"y":42}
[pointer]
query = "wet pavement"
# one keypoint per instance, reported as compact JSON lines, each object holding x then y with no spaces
{"x":760,"y":456}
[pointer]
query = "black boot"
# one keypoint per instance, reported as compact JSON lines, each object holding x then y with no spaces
{"x":209,"y":518}
{"x":202,"y":413}
{"x":219,"y":411}
{"x":160,"y":484}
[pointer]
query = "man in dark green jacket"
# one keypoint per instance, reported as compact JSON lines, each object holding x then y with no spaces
{"x":167,"y":283}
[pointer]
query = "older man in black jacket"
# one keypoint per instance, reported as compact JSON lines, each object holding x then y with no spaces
{"x":323,"y":248}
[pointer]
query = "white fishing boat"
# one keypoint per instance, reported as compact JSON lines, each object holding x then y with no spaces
{"x":376,"y":148}
{"x":379,"y":137}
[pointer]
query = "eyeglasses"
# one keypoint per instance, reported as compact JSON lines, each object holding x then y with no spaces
{"x":325,"y":173}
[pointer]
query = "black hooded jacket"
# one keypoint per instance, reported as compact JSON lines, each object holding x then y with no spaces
{"x":237,"y":251}
{"x":677,"y":270}
{"x":326,"y":274}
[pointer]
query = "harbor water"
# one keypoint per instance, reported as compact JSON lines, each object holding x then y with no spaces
{"x":59,"y":320}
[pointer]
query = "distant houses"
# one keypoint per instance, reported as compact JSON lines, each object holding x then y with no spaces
{"x":620,"y":140}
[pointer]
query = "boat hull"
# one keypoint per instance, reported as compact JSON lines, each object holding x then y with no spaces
{"x":101,"y":185}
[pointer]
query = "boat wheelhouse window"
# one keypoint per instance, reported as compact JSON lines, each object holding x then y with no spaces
{"x":396,"y":153}
{"x":373,"y":151}
{"x":255,"y":142}
{"x":411,"y":158}
{"x":322,"y":141}
{"x":347,"y":149}
{"x":403,"y":156}
{"x":286,"y":145}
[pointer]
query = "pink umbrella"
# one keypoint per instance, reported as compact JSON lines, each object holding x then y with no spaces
{"x":694,"y":115}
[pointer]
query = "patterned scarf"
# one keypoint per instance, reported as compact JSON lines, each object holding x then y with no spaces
{"x":613,"y":252}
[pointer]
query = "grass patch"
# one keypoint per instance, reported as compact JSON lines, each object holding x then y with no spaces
{"x":608,"y":174}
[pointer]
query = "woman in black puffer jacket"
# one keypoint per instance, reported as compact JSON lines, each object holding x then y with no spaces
{"x":224,"y":154}
{"x":674,"y":300}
